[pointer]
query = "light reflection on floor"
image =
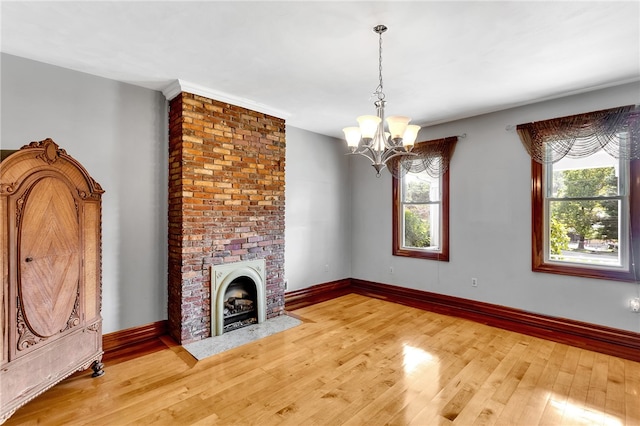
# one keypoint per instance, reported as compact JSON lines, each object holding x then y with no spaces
{"x":421,"y":368}
{"x":414,"y":358}
{"x":421,"y":375}
{"x":583,"y":415}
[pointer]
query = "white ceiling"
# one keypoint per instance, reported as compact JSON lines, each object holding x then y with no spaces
{"x":317,"y":62}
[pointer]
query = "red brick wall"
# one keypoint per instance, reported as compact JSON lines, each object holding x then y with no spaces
{"x":226,"y":204}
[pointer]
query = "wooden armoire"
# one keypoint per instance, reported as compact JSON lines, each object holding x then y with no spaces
{"x":50,"y":232}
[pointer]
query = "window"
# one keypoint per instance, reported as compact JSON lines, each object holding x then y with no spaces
{"x":585,"y":207}
{"x":421,"y":202}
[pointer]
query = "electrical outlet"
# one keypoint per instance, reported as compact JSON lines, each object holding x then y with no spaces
{"x":634,"y":304}
{"x":391,"y":269}
{"x":326,"y":267}
{"x":474,"y":282}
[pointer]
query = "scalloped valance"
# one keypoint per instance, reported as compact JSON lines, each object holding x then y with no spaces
{"x":430,"y":156}
{"x":616,"y":130}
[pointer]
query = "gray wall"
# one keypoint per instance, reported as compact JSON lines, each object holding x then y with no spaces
{"x":318,"y":210}
{"x":490,"y":226}
{"x":118,"y":132}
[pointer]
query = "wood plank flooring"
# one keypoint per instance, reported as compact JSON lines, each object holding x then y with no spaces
{"x":356,"y":361}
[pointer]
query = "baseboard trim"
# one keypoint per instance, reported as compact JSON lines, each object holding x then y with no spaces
{"x":611,"y":341}
{"x":315,"y":294}
{"x":116,"y":341}
{"x":607,"y":340}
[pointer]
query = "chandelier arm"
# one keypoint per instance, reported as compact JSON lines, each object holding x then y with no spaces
{"x":368,"y":155}
{"x":397,"y":153}
{"x":376,"y":156}
{"x":391,"y":145}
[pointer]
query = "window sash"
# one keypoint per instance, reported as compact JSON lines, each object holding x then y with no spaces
{"x":623,"y":216}
{"x":629,"y":226}
{"x":623,"y":236}
{"x":436,"y":237}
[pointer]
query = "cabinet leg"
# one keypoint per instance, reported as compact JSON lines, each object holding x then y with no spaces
{"x":97,"y":367}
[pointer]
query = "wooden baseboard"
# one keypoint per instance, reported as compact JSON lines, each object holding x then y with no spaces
{"x":611,"y":341}
{"x":315,"y":294}
{"x":116,"y":342}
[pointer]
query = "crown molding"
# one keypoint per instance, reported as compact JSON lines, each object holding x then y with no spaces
{"x":177,"y":86}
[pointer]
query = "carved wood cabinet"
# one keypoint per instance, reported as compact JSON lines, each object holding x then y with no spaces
{"x":50,"y":232}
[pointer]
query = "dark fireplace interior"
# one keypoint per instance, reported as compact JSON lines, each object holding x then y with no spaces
{"x":240,"y":304}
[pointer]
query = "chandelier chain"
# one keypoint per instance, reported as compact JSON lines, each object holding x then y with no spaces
{"x":379,"y":93}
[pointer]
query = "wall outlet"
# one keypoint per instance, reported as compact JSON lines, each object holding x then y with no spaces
{"x":326,"y":267}
{"x":474,"y":282}
{"x":634,"y":304}
{"x":391,"y":269}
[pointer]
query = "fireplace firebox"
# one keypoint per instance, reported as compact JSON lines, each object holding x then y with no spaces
{"x":238,"y":295}
{"x":240,"y":304}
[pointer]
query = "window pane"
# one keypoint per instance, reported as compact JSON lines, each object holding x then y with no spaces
{"x":585,"y":231}
{"x":420,"y":188}
{"x":594,"y":176}
{"x":421,"y":226}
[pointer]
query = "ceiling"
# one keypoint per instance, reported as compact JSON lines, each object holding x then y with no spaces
{"x":316,"y":63}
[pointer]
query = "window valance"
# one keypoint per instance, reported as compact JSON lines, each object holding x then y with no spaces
{"x":430,"y":156}
{"x":615,"y":130}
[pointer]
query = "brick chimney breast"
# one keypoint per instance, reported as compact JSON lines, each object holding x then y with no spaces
{"x":226,"y":204}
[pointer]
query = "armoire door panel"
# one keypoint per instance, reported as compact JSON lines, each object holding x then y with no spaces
{"x":49,"y":256}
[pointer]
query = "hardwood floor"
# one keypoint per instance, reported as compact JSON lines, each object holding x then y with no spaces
{"x":356,"y":361}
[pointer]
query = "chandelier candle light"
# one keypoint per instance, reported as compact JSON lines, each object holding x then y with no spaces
{"x":370,"y":139}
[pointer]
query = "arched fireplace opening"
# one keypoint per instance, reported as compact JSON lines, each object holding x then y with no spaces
{"x":240,"y":304}
{"x":238,"y":295}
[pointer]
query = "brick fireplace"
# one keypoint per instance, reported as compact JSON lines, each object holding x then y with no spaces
{"x":226,"y":204}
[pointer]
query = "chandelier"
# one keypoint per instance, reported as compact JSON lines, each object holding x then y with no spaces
{"x":370,"y":139}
